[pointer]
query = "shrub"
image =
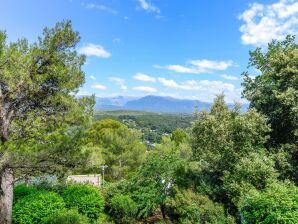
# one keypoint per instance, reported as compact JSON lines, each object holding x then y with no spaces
{"x":36,"y":207}
{"x":49,"y":186}
{"x":21,"y":191}
{"x":123,"y":208}
{"x":189,"y":207}
{"x":255,"y":171}
{"x":86,"y":198}
{"x":67,"y":217}
{"x":277,"y":204}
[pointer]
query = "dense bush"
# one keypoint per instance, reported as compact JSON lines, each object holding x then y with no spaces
{"x":36,"y":207}
{"x":255,"y":171}
{"x":123,"y":208}
{"x":277,"y":204}
{"x":86,"y":198}
{"x":67,"y":217}
{"x":189,"y":207}
{"x":22,"y":190}
{"x":58,"y":187}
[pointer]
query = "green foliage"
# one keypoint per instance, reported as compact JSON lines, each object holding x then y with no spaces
{"x":179,"y":136}
{"x":123,"y":208}
{"x":252,"y":172}
{"x":64,"y":151}
{"x":57,"y":187}
{"x":154,"y":182}
{"x":224,"y":132}
{"x":86,"y":198}
{"x":22,"y":190}
{"x":67,"y":217}
{"x":152,"y":125}
{"x":219,"y":140}
{"x":35,"y":208}
{"x":121,"y":147}
{"x":277,"y":204}
{"x":286,"y":161}
{"x":275,"y":91}
{"x":41,"y":117}
{"x":189,"y":207}
{"x":38,"y":80}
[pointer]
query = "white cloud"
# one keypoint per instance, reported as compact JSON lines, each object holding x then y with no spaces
{"x":199,"y":66}
{"x":168,"y":82}
{"x":99,"y":86}
{"x":229,"y":77}
{"x":149,"y":7}
{"x":101,"y":7}
{"x":120,"y":82}
{"x":205,"y":90}
{"x":92,"y":77}
{"x":143,"y":77}
{"x":212,"y":65}
{"x":146,"y":89}
{"x":182,"y":69}
{"x":262,"y":23}
{"x":95,"y":50}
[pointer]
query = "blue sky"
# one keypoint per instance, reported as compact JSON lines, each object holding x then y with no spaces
{"x":184,"y":48}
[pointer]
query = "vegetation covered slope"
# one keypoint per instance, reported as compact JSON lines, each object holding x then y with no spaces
{"x":152,"y":125}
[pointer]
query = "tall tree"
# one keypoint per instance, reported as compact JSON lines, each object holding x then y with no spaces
{"x":275,"y":91}
{"x":220,"y":138}
{"x":37,"y":103}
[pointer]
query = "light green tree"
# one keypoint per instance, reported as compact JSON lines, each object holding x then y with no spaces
{"x":179,"y":136}
{"x":154,"y":183}
{"x":276,"y":204}
{"x":119,"y":147}
{"x":255,"y":171}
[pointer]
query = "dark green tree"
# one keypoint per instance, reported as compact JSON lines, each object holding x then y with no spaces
{"x":274,"y":92}
{"x":38,"y":83}
{"x":123,"y":208}
{"x":221,"y":138}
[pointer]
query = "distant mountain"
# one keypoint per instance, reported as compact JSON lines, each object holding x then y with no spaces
{"x":112,"y":103}
{"x":165,"y":104}
{"x":153,"y":104}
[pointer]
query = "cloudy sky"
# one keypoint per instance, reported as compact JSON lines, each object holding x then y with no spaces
{"x":184,"y":48}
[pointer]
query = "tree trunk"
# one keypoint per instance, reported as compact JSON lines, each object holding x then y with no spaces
{"x":6,"y":196}
{"x":163,"y":212}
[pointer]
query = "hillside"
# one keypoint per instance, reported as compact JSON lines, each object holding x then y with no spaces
{"x":152,"y":125}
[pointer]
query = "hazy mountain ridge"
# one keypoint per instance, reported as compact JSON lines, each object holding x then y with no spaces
{"x":154,"y":104}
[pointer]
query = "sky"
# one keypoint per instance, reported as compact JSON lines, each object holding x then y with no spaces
{"x":192,"y":49}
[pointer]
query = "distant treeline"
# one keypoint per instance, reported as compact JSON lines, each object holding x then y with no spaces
{"x":152,"y":125}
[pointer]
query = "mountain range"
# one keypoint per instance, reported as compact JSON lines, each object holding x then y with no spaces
{"x":154,"y":104}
